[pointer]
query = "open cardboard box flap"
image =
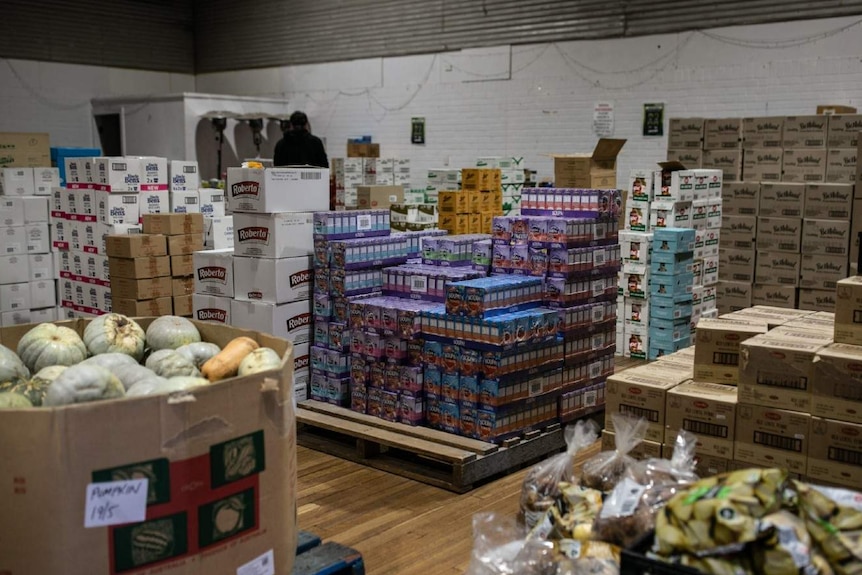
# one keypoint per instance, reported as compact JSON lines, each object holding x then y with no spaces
{"x":229,"y":445}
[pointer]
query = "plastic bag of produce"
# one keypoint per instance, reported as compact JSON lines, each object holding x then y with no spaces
{"x":604,"y":470}
{"x":833,"y":518}
{"x":630,"y":510}
{"x":499,"y":548}
{"x":541,"y":486}
{"x":786,"y":548}
{"x":573,"y":515}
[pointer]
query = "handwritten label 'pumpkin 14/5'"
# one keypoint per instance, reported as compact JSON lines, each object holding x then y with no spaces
{"x":116,"y":503}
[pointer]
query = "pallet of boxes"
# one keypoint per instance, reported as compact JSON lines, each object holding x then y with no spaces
{"x":264,"y":283}
{"x":27,"y":285}
{"x":150,"y":271}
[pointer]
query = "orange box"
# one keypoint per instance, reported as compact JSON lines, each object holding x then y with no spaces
{"x":453,"y":202}
{"x":475,"y":224}
{"x":474,"y":201}
{"x":471,"y":178}
{"x":487,"y":223}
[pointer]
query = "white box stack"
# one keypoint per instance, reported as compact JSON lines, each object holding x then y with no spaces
{"x":272,"y":253}
{"x":350,"y":173}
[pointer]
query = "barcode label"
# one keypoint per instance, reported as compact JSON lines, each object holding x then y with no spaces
{"x":624,"y":499}
{"x":598,"y":341}
{"x":130,"y":199}
{"x":310,"y":175}
{"x":190,"y":169}
{"x":788,"y":246}
{"x":535,"y":387}
{"x":191,"y":201}
{"x":778,"y":441}
{"x":591,"y":398}
{"x":650,"y":415}
{"x":851,"y":391}
{"x":363,"y":223}
{"x":834,"y":250}
{"x":599,"y":258}
{"x":217,"y":199}
{"x":847,"y":456}
{"x":595,"y":369}
{"x":419,"y":284}
{"x":598,"y":287}
{"x":782,"y":380}
{"x":704,"y":428}
{"x":117,"y":167}
{"x":598,"y":313}
{"x":724,"y":358}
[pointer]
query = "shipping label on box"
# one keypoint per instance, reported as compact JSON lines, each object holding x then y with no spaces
{"x":722,"y":134}
{"x":785,"y":200}
{"x":833,"y":454}
{"x":762,"y":165}
{"x":13,"y":241}
{"x":707,"y":410}
{"x":829,"y":201}
{"x":277,"y":189}
{"x":273,"y":235}
{"x":777,"y":268}
{"x":273,"y":280}
{"x":45,"y":180}
{"x":728,"y":161}
{"x":805,"y":132}
{"x":717,"y":348}
{"x":736,"y":265}
{"x":779,"y":234}
{"x":211,"y":308}
{"x":185,"y":202}
{"x":841,"y":165}
{"x":774,"y":295}
{"x":11,"y":211}
{"x":836,"y":382}
{"x":738,"y":232}
{"x":685,"y":133}
{"x":822,"y":272}
{"x":805,"y":165}
{"x":16,"y":269}
{"x":829,"y":237}
{"x":772,"y":437}
{"x":765,"y":132}
{"x":214,"y":273}
{"x":777,"y":372}
{"x":844,"y":130}
{"x":15,"y":297}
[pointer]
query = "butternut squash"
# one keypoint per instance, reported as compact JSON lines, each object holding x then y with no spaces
{"x":226,"y":363}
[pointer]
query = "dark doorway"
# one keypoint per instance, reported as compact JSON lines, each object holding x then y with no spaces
{"x":110,"y":136}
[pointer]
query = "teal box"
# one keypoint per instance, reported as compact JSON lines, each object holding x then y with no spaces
{"x":656,"y":350}
{"x":672,"y":269}
{"x":673,"y":240}
{"x":677,"y":335}
{"x":668,"y":309}
{"x":671,"y":285}
{"x":681,"y":324}
{"x":673,"y":258}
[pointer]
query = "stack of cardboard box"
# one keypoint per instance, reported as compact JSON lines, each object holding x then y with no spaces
{"x":440,"y":180}
{"x":713,"y":144}
{"x":28,"y":289}
{"x":472,"y":209}
{"x":142,"y":284}
{"x":350,"y":174}
{"x":513,"y":178}
{"x":185,"y":235}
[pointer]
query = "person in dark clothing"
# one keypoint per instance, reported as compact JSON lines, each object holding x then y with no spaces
{"x":299,"y":147}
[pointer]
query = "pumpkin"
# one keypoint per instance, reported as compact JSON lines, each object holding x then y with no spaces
{"x":110,"y":361}
{"x":184,"y":382}
{"x":129,"y":375}
{"x":199,"y":352}
{"x":261,"y":359}
{"x":83,"y":383}
{"x":115,"y":333}
{"x":171,"y":332}
{"x":11,"y":366}
{"x":169,"y":363}
{"x":159,"y":385}
{"x":36,"y":388}
{"x":148,"y":386}
{"x":9,"y":400}
{"x":48,"y":344}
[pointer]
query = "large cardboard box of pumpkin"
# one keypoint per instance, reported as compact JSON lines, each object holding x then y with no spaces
{"x":220,"y":464}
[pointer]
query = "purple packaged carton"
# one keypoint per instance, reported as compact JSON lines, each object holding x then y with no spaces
{"x":358,"y":398}
{"x":411,"y":409}
{"x":411,"y":379}
{"x":389,"y":405}
{"x":375,"y":401}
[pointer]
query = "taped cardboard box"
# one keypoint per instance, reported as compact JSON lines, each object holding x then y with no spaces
{"x":740,"y":198}
{"x":774,"y":295}
{"x":25,"y":149}
{"x":142,"y":289}
{"x":772,"y":437}
{"x":688,"y":157}
{"x":595,"y":170}
{"x":135,"y":246}
{"x":848,"y":312}
{"x":729,"y":161}
{"x":782,"y":200}
{"x":722,"y":134}
{"x":736,"y":265}
{"x":777,"y":268}
{"x":822,"y":272}
{"x":716,"y":354}
{"x":836,"y":382}
{"x":642,"y":392}
{"x":844,"y":130}
{"x":733,"y":296}
{"x":707,"y":410}
{"x":188,"y":460}
{"x":767,"y":132}
{"x":137,"y":308}
{"x":779,"y":234}
{"x":777,"y":372}
{"x":173,"y":224}
{"x":805,"y":132}
{"x":841,"y":165}
{"x":182,"y":286}
{"x":738,"y":232}
{"x":817,"y":300}
{"x":762,"y":165}
{"x":805,"y":166}
{"x":183,"y":305}
{"x":185,"y":244}
{"x":833,"y":454}
{"x":829,"y":237}
{"x":274,"y":190}
{"x":829,"y":201}
{"x":140,"y":268}
{"x":685,"y":133}
{"x":182,"y":265}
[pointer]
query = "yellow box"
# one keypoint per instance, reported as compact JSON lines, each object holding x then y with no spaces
{"x":474,"y":201}
{"x":455,"y":224}
{"x":475,"y":224}
{"x":487,"y":223}
{"x":471,"y":178}
{"x":452,"y":202}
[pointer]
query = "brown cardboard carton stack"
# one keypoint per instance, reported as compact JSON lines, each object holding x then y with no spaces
{"x":143,"y":284}
{"x":471,"y":209}
{"x":722,"y":141}
{"x":184,"y":235}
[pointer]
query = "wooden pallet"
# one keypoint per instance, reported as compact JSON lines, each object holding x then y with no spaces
{"x":316,"y":558}
{"x":426,"y":455}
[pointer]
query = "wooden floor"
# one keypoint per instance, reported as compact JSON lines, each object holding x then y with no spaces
{"x":399,"y":525}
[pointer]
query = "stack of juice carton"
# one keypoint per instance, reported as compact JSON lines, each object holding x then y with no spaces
{"x":472,"y":209}
{"x":27,"y":285}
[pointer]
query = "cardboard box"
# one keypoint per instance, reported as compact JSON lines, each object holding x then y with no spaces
{"x":685,"y":133}
{"x":11,"y":318}
{"x":78,"y":170}
{"x":596,"y":170}
{"x":836,"y":382}
{"x":154,"y":201}
{"x":183,"y":265}
{"x":219,"y":233}
{"x":211,"y":308}
{"x":43,"y":293}
{"x":273,"y":235}
{"x":273,"y":280}
{"x":841,"y":165}
{"x":828,"y":237}
{"x":765,"y":132}
{"x":362,"y":150}
{"x":35,"y":210}
{"x":777,"y":372}
{"x":728,"y":161}
{"x":291,"y":321}
{"x":183,"y":305}
{"x":721,"y":134}
{"x":805,"y":166}
{"x":378,"y":197}
{"x":848,"y":311}
{"x":117,"y":207}
{"x":771,"y":437}
{"x":829,"y":201}
{"x":716,"y":358}
{"x":822,"y":272}
{"x":855,"y":229}
{"x":11,"y":211}
{"x":187,"y":244}
{"x":844,"y":130}
{"x":213,"y":272}
{"x":817,"y":300}
{"x":184,"y":176}
{"x":182,"y":286}
{"x":13,"y":240}
{"x":127,"y":288}
{"x":17,"y":182}
{"x":185,"y":202}
{"x":16,"y":269}
{"x":738,"y":232}
{"x":277,"y":190}
{"x":774,"y":295}
{"x":762,"y":165}
{"x":119,"y":174}
{"x":642,"y":392}
{"x":25,"y":149}
{"x":173,"y":224}
{"x":777,"y":268}
{"x":829,"y":109}
{"x":736,"y":265}
{"x":140,"y":268}
{"x":805,"y":132}
{"x":136,"y":245}
{"x":779,"y":234}
{"x":245,"y":406}
{"x":707,"y":410}
{"x":15,"y":297}
{"x":454,"y":202}
{"x":142,"y":308}
{"x":688,"y":157}
{"x":833,"y":454}
{"x":212,"y":204}
{"x":38,"y":238}
{"x":644,"y":450}
{"x":784,"y":200}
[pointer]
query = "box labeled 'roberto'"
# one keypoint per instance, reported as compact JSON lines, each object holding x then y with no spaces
{"x":277,"y":190}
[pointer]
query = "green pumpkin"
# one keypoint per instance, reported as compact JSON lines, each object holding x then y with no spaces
{"x":171,"y":332}
{"x":115,"y":333}
{"x":48,"y":344}
{"x":168,"y":363}
{"x":9,"y":400}
{"x":34,"y":389}
{"x":83,"y":383}
{"x":11,"y":366}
